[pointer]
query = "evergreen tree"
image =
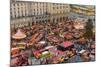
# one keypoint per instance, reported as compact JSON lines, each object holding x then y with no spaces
{"x":89,"y":30}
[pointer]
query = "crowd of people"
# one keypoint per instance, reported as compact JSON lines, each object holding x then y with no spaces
{"x":43,"y":44}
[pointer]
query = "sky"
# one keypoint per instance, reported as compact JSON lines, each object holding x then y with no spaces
{"x":85,"y":2}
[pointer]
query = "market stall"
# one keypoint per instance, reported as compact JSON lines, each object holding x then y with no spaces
{"x":19,"y":35}
{"x":65,"y":46}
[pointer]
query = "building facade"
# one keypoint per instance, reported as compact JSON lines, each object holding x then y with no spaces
{"x":25,"y":13}
{"x":84,"y":12}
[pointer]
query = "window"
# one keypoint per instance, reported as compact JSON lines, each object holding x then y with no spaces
{"x":13,"y":4}
{"x":17,"y":4}
{"x":36,"y":17}
{"x":53,"y":7}
{"x":57,"y":7}
{"x":18,"y":8}
{"x":57,"y":3}
{"x":34,"y":10}
{"x":53,"y":3}
{"x":14,"y":8}
{"x":37,"y":10}
{"x":15,"y":15}
{"x":40,"y":9}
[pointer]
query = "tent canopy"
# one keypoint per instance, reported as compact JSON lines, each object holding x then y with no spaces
{"x":19,"y":35}
{"x":67,"y":44}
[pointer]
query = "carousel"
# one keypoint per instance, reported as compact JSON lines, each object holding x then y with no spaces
{"x":19,"y":35}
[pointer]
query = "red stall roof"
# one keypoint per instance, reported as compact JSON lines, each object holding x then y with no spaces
{"x":67,"y":44}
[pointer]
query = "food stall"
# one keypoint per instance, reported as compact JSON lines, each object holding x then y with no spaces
{"x":37,"y":54}
{"x":65,"y":46}
{"x":15,"y":52}
{"x":21,"y":45}
{"x":19,"y":35}
{"x":68,"y":36}
{"x":82,"y":41}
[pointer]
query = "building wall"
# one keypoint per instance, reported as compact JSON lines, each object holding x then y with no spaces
{"x":84,"y":12}
{"x":37,"y":12}
{"x":87,"y":10}
{"x":58,"y":11}
{"x":21,"y":22}
{"x":19,"y":9}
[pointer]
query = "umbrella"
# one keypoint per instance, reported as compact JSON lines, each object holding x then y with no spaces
{"x":19,"y":35}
